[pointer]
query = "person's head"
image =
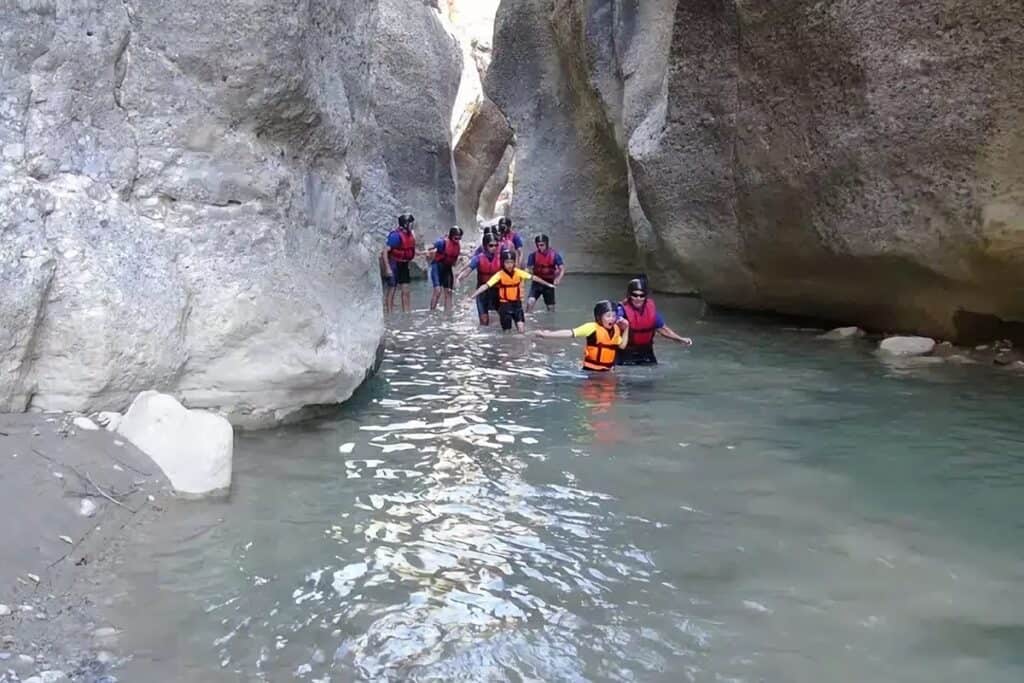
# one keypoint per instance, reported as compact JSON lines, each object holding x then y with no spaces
{"x":501,"y":222}
{"x":490,"y":244}
{"x":403,"y":221}
{"x":604,"y":313}
{"x":508,"y":260}
{"x":542,"y":243}
{"x":505,"y":228}
{"x":455,"y":233}
{"x":636,"y":292}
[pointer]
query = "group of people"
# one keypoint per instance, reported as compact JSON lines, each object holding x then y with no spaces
{"x":621,"y":333}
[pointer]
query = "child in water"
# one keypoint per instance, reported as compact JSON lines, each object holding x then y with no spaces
{"x":605,"y":337}
{"x":508,"y":280}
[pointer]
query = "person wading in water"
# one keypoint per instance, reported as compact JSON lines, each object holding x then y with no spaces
{"x":606,"y":337}
{"x":395,"y":259}
{"x":644,"y":322}
{"x":509,"y":282}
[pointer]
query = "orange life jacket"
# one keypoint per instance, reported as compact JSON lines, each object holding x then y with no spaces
{"x":601,"y":349}
{"x":508,"y":287}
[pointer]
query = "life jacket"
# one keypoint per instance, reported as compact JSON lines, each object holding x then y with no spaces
{"x":641,"y":323}
{"x":407,"y":251}
{"x":451,"y":252}
{"x":486,"y":267}
{"x":544,"y":264}
{"x":601,"y":349}
{"x":508,"y":243}
{"x":508,"y":287}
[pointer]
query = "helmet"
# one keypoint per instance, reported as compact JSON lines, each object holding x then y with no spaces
{"x":505,"y":228}
{"x":456,"y":231}
{"x":602,"y":307}
{"x":507,"y":255}
{"x":488,"y":240}
{"x":541,"y":239}
{"x":404,"y":220}
{"x":502,"y":221}
{"x":637,"y":285}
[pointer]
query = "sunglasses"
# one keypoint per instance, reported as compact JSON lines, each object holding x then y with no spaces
{"x":638,"y":295}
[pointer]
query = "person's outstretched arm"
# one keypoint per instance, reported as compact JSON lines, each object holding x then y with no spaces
{"x":554,"y":334}
{"x":668,"y":333}
{"x":543,"y":282}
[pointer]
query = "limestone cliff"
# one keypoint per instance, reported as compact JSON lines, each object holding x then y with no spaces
{"x":857,"y":161}
{"x":192,"y":194}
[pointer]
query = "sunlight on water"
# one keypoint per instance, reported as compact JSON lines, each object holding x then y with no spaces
{"x":764,"y":506}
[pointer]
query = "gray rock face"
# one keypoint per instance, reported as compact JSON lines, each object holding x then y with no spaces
{"x":478,"y":155}
{"x":192,"y":195}
{"x":844,"y":160}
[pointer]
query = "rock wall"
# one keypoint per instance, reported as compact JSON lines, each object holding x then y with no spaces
{"x":192,"y":195}
{"x":856,"y":161}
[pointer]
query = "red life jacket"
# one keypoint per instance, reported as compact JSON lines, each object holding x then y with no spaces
{"x":451,"y":252}
{"x":407,"y":251}
{"x":641,"y":323}
{"x":486,"y":267}
{"x":508,"y":243}
{"x":544,"y":264}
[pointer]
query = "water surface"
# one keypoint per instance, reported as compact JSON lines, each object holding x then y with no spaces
{"x":765,"y":506}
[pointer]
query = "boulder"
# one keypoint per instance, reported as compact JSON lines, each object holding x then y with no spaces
{"x":193,"y":195}
{"x":192,"y":447}
{"x":817,"y":159}
{"x":906,"y":346}
{"x":843,"y":333}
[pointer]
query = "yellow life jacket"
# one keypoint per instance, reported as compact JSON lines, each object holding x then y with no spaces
{"x":508,"y":287}
{"x":601,"y":349}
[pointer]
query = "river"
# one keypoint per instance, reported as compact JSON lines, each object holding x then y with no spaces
{"x":765,"y":506}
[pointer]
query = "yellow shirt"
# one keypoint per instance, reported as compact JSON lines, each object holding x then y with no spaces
{"x":584,"y":330}
{"x":523,"y":275}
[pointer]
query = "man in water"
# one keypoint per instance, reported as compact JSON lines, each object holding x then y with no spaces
{"x":639,"y":311}
{"x":548,"y":264}
{"x":509,"y":282}
{"x":445,"y":251}
{"x":399,"y":251}
{"x":606,"y":337}
{"x":486,"y":264}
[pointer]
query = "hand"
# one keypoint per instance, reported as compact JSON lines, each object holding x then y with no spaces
{"x":622,"y":323}
{"x":686,"y":341}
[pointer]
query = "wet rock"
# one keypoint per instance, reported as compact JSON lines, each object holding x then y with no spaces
{"x":192,"y":447}
{"x":944,"y":350}
{"x":906,"y":346}
{"x":1003,"y":359}
{"x":53,"y":676}
{"x":4,"y":610}
{"x":843,"y":333}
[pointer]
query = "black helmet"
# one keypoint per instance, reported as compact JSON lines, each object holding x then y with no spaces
{"x":602,"y":307}
{"x":404,"y":220}
{"x":455,"y":232}
{"x":411,"y":219}
{"x":502,"y":221}
{"x":541,"y":239}
{"x":637,"y":285}
{"x":507,"y":255}
{"x":488,"y":240}
{"x":505,"y":228}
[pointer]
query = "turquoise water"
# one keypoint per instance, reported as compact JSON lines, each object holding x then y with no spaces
{"x":765,"y":506}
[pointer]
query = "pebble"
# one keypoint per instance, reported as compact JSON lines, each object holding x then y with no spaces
{"x":87,"y":508}
{"x":66,"y":539}
{"x":4,"y":610}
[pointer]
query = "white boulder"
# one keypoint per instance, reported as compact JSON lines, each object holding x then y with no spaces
{"x":192,"y":447}
{"x":906,"y":346}
{"x":85,"y":424}
{"x":842,"y":333}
